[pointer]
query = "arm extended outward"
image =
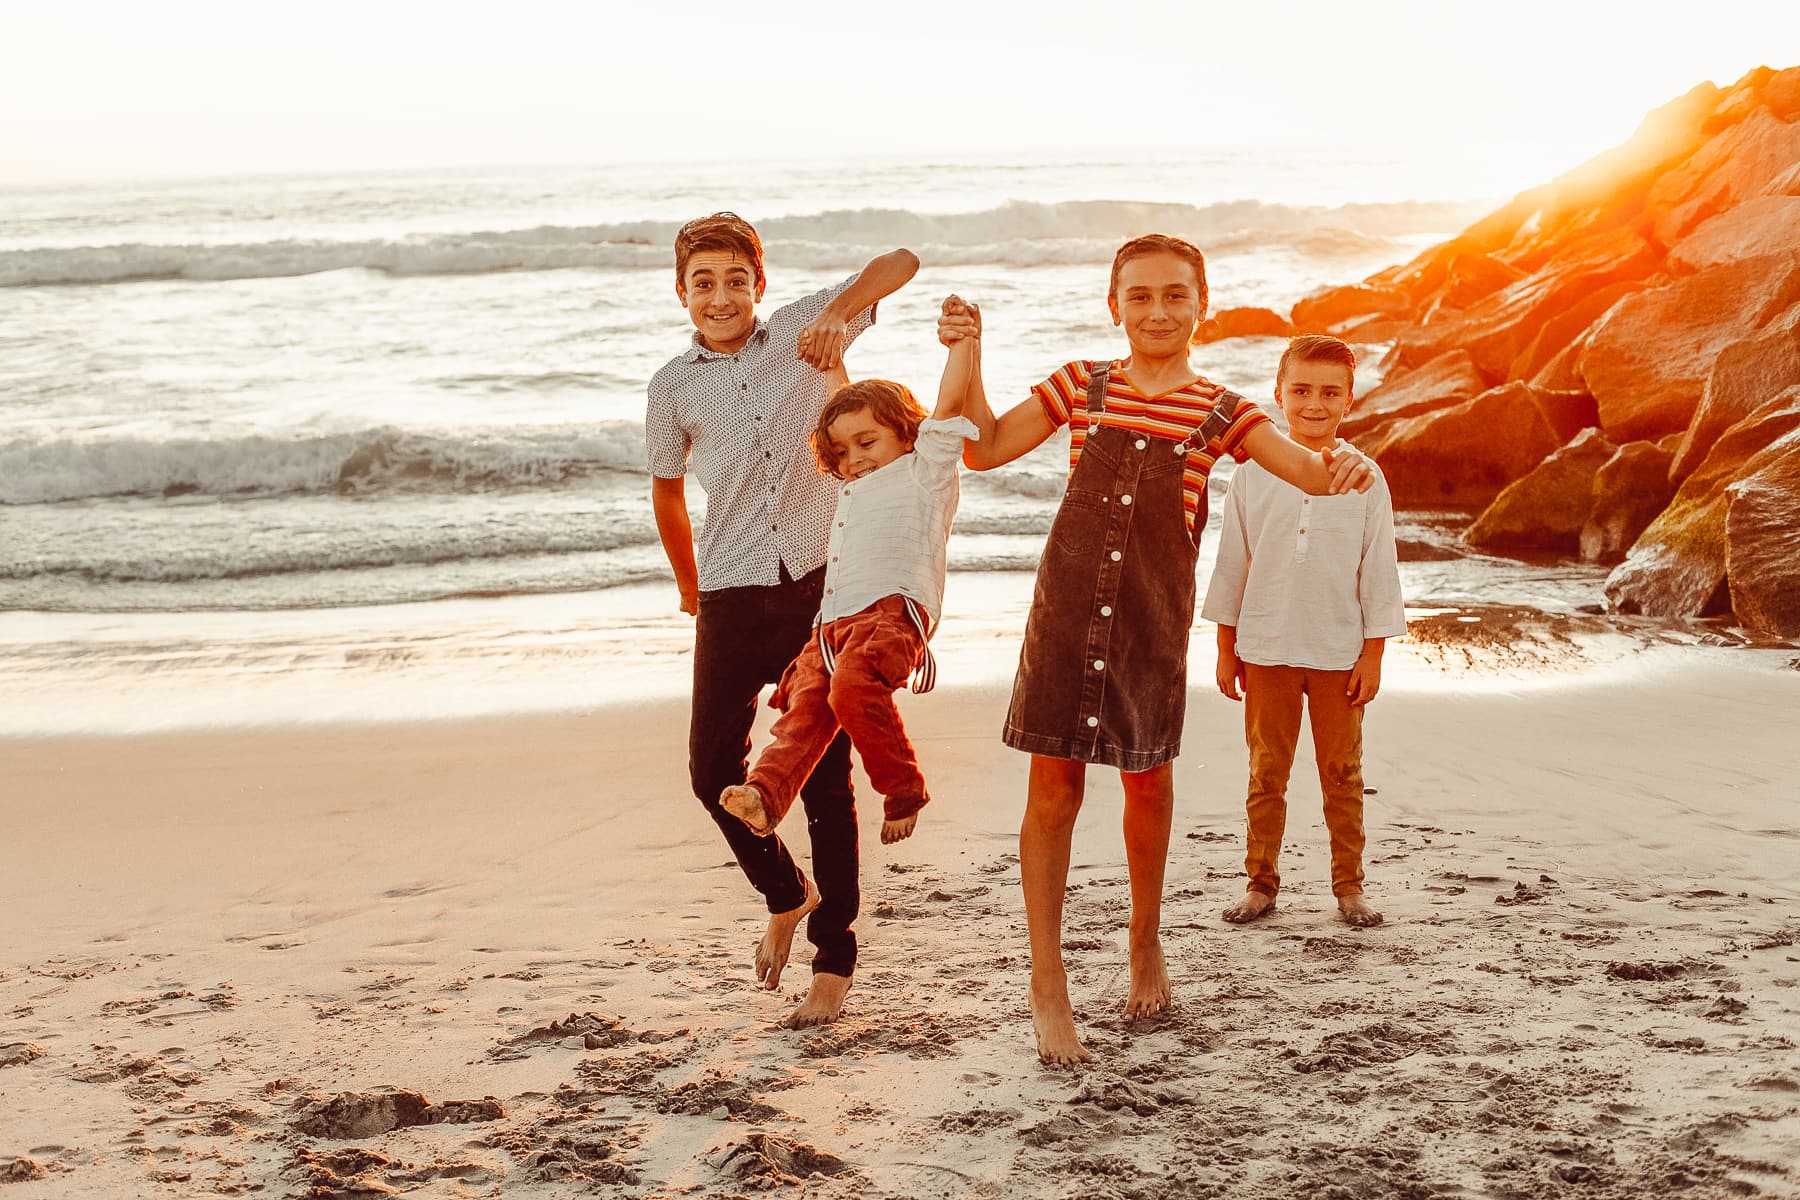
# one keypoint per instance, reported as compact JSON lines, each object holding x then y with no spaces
{"x":1022,"y":428}
{"x":1316,"y":472}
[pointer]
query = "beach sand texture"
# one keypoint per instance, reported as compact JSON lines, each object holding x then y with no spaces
{"x":527,"y":929}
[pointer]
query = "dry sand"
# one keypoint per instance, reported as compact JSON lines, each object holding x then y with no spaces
{"x":1585,"y":846}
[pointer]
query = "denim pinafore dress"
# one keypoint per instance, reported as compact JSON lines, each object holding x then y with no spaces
{"x":1103,"y":671}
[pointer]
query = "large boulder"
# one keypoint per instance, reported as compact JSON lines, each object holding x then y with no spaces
{"x":1338,"y":306}
{"x":1762,"y":545}
{"x":1734,"y":166}
{"x":1678,"y":567}
{"x":1474,"y":276}
{"x":1647,"y":361}
{"x":1243,"y":322}
{"x":1630,"y":489}
{"x":1495,"y":330}
{"x":1562,"y":331}
{"x":1760,"y":225}
{"x":1546,"y":509}
{"x":1746,"y":375}
{"x":1444,"y":381}
{"x":1782,"y":93}
{"x":1463,"y":456}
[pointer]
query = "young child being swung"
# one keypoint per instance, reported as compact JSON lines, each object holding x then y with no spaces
{"x":884,"y":590}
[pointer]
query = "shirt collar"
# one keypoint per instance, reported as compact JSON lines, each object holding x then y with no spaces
{"x":697,"y":349}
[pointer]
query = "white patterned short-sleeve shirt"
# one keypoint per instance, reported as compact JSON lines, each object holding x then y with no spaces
{"x":740,"y":422}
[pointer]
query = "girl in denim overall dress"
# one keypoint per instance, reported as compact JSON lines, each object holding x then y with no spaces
{"x":1103,"y":670}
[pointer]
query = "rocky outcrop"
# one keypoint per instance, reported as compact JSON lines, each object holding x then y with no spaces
{"x":1629,"y":491}
{"x":1653,"y":293}
{"x":1243,"y":322}
{"x":1648,"y":359}
{"x":1743,"y":376}
{"x":1678,"y":567}
{"x":1762,"y":544}
{"x":1546,"y":509}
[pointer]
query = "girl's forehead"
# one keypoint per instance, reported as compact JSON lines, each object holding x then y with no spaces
{"x":1158,"y":270}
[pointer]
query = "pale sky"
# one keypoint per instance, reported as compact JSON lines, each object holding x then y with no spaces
{"x":106,"y":90}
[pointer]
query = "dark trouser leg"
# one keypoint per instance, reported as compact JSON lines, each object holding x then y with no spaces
{"x":728,"y":674}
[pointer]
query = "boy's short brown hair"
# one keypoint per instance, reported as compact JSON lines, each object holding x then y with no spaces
{"x":892,"y":405}
{"x":721,"y":231}
{"x":1317,"y":347}
{"x":1160,"y":243}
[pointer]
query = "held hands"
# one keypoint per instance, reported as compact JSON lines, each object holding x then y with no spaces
{"x":822,"y":342}
{"x":959,"y":320}
{"x":1351,"y":469}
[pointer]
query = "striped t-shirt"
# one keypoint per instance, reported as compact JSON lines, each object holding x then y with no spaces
{"x":1172,"y":415}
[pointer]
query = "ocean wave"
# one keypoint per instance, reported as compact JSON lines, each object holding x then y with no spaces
{"x":1017,"y":233}
{"x":45,"y":472}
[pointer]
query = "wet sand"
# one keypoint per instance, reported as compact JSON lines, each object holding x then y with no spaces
{"x":523,"y":944}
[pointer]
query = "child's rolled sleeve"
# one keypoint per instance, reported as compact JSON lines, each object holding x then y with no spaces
{"x":1247,"y":417}
{"x":666,"y":444}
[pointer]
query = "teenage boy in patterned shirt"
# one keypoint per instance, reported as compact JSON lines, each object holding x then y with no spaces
{"x":737,"y":407}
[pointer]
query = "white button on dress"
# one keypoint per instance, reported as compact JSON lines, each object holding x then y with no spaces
{"x":1116,"y":556}
{"x":1124,"y":499}
{"x":1093,"y":721}
{"x":1106,"y":610}
{"x":1141,"y":443}
{"x":1099,"y":664}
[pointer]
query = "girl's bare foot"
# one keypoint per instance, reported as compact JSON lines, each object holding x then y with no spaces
{"x":898,"y":831}
{"x":1150,"y":993}
{"x":1354,"y":912}
{"x":746,"y":804}
{"x":1252,"y":906}
{"x":824,"y":1002}
{"x":1053,"y":1023}
{"x":778,"y":939}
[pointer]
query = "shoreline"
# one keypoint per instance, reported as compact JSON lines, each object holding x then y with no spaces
{"x":1588,"y":972}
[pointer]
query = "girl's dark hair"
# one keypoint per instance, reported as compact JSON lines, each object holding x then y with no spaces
{"x":892,"y":404}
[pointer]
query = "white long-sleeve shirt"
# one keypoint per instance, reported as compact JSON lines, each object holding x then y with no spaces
{"x":1305,"y":579}
{"x":891,"y":534}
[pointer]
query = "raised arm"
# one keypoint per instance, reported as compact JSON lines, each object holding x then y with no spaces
{"x":963,"y":365}
{"x":822,"y":342}
{"x":1317,"y":472}
{"x":1023,"y":428}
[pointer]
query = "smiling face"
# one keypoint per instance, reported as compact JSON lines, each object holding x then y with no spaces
{"x":1315,"y":396}
{"x":863,"y":444}
{"x":720,"y":290}
{"x":1158,"y":303}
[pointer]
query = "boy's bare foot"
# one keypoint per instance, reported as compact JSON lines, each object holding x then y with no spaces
{"x":1252,"y":906}
{"x":746,"y":804}
{"x":778,"y":940}
{"x":1355,"y":912}
{"x":824,"y":1001}
{"x":1053,"y":1023}
{"x":1150,"y":994}
{"x":898,"y":831}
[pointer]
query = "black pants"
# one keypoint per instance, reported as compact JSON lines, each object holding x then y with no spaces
{"x":744,"y":639}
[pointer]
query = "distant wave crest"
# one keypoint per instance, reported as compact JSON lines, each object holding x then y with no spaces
{"x":42,"y":472}
{"x":1016,"y":233}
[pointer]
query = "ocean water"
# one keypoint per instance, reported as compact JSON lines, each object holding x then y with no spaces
{"x":293,"y":395}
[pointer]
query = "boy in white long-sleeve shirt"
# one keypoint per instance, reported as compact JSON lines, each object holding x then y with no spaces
{"x":1305,"y":592}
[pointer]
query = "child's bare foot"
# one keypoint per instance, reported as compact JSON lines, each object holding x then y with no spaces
{"x":898,"y":831}
{"x":1150,"y":994}
{"x":778,"y":940}
{"x":1354,"y":912}
{"x":824,"y":1001}
{"x":746,"y":804}
{"x":1053,"y":1023}
{"x":1252,"y":906}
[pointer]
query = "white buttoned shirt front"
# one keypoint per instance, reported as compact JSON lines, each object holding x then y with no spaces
{"x":891,"y":534}
{"x":1305,"y":579}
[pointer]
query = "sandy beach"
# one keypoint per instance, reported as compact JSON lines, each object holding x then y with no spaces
{"x":523,"y":942}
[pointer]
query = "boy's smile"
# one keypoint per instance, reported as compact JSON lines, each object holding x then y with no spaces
{"x":864,"y":444}
{"x":1315,"y":396}
{"x":720,"y":290}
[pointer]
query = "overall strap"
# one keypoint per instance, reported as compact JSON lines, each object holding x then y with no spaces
{"x":1096,"y":396}
{"x":1226,"y":406}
